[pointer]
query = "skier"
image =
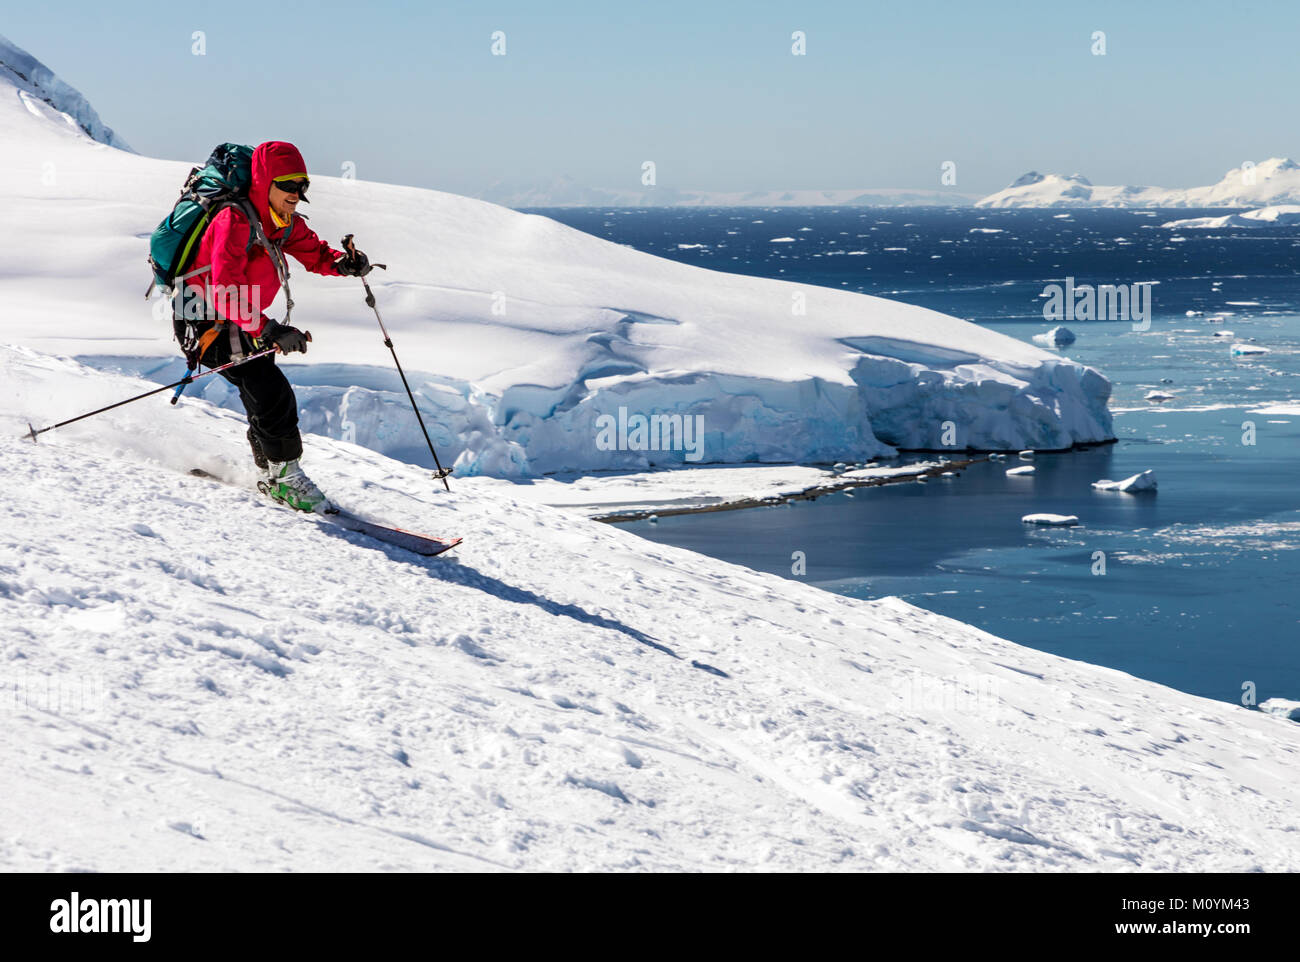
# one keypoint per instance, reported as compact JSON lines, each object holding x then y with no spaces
{"x":234,"y":277}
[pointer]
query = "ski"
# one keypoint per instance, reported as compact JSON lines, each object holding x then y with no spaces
{"x":421,"y":544}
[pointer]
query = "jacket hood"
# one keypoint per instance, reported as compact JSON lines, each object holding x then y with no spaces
{"x":275,"y":158}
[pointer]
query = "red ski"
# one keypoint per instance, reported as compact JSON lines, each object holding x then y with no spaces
{"x":419,"y":543}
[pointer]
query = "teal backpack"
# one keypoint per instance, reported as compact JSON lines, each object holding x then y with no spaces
{"x":221,"y":182}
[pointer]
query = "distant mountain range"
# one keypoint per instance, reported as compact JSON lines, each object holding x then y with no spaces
{"x":564,"y":192}
{"x":1272,"y":182}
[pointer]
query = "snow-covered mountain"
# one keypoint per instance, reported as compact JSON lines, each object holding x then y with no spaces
{"x":524,"y":333}
{"x":1281,"y":215}
{"x":557,"y":694}
{"x":564,"y":192}
{"x":1272,"y":182}
{"x":31,"y":79}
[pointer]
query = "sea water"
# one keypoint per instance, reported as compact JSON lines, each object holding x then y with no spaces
{"x":1194,"y":586}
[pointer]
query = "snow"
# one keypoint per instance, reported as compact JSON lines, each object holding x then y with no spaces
{"x":546,"y":698}
{"x":596,"y":495}
{"x":1289,"y":710}
{"x":48,"y":98}
{"x":1057,"y":335}
{"x":1058,"y":520}
{"x":521,"y":334}
{"x":1273,"y":183}
{"x":1142,"y":481}
{"x":1055,"y":190}
{"x":1285,"y":407}
{"x":198,"y":680}
{"x":1285,"y":215}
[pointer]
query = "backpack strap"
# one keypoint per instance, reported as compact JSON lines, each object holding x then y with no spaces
{"x":257,"y":236}
{"x":207,"y":337}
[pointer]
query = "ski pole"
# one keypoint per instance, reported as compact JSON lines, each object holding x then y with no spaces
{"x":187,"y":379}
{"x":442,"y":472}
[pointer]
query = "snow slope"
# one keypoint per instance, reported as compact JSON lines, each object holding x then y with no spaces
{"x":521,"y":333}
{"x":197,"y":680}
{"x":33,"y":82}
{"x":1271,"y":182}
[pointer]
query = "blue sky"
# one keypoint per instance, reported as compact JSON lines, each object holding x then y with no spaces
{"x":888,"y":91}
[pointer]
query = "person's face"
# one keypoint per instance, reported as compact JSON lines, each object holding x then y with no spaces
{"x":285,"y":202}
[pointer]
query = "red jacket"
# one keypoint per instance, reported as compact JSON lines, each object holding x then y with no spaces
{"x":252,"y":272}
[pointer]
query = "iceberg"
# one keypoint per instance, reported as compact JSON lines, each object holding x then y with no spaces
{"x":1142,"y":481}
{"x":1051,"y":520}
{"x":1279,"y":215}
{"x":1281,"y":706}
{"x":1056,"y":336}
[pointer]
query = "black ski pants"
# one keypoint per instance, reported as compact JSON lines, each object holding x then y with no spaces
{"x":267,"y":395}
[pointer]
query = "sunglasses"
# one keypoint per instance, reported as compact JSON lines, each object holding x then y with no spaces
{"x":293,"y":186}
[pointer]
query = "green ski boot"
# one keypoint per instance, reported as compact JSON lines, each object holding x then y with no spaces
{"x":288,"y":484}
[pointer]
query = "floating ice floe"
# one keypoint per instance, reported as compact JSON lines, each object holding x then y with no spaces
{"x":1142,"y":481}
{"x":1195,"y":313}
{"x":1281,"y":706}
{"x":1240,"y":350}
{"x":1024,"y":469}
{"x":1056,"y":336}
{"x":1159,"y":396}
{"x":1224,"y":333}
{"x":1056,"y":520}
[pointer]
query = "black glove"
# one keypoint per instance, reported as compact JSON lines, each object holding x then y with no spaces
{"x":285,"y":339}
{"x":353,"y":264}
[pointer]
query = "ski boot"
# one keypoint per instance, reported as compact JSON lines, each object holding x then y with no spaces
{"x":288,"y":484}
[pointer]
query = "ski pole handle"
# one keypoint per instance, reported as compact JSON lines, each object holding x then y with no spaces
{"x":350,"y":246}
{"x":306,"y":336}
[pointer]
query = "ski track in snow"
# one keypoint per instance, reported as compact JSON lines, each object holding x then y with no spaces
{"x":198,"y":680}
